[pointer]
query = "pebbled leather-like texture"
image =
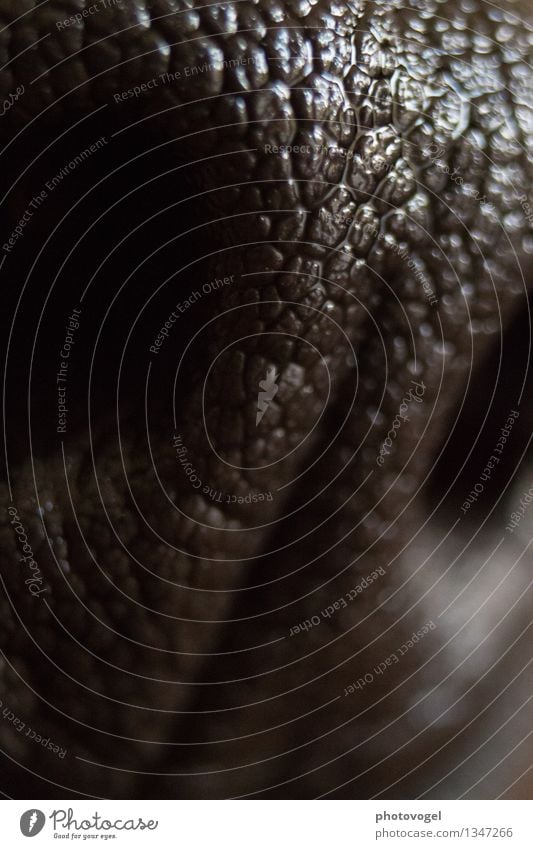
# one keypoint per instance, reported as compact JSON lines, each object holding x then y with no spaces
{"x":357,"y":172}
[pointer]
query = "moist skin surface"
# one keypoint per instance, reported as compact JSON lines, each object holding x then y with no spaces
{"x":332,"y":198}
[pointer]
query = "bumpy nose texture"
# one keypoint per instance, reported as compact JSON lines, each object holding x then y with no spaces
{"x":300,"y":235}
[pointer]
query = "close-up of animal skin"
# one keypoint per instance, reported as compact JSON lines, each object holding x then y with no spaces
{"x":267,"y":500}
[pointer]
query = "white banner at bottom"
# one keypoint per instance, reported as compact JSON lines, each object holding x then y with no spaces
{"x":267,"y":824}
